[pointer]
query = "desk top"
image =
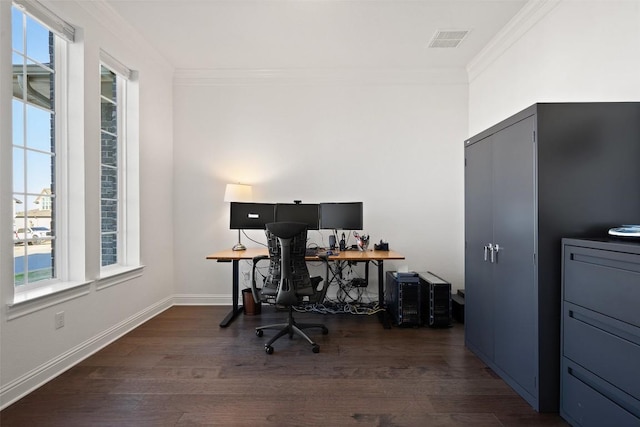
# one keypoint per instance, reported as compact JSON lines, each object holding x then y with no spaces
{"x":249,"y":253}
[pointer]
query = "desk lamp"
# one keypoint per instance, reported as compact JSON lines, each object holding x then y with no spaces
{"x":238,"y":193}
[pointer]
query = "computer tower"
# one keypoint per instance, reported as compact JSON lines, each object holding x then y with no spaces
{"x":402,"y":298}
{"x":436,"y":300}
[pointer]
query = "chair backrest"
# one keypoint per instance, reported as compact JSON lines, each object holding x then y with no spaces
{"x":287,"y":242}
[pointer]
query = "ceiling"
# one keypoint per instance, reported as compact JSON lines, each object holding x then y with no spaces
{"x":303,"y":34}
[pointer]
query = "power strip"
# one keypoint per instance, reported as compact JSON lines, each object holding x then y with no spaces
{"x":358,"y":282}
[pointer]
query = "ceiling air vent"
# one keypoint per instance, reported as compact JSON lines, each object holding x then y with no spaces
{"x":448,"y":38}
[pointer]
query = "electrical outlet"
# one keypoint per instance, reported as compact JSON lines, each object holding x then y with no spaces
{"x":59,"y":320}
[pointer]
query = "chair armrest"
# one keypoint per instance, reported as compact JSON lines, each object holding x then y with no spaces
{"x":257,"y":259}
{"x":254,"y":289}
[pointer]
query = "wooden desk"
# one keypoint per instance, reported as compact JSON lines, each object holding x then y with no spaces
{"x":357,"y":256}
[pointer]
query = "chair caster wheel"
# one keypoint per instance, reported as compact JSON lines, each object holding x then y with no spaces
{"x":259,"y":332}
{"x":268,"y":349}
{"x":325,"y":331}
{"x":316,"y":348}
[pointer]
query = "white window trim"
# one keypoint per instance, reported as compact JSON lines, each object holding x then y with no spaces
{"x":121,"y":144}
{"x":129,"y":264}
{"x":70,"y":263}
{"x":40,"y":298}
{"x":38,"y":289}
{"x":49,"y":19}
{"x":117,"y":275}
{"x":114,"y":65}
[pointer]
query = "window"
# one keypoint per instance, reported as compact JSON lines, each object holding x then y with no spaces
{"x":119,"y":241}
{"x":53,"y":187}
{"x":45,"y":259}
{"x":110,"y":142}
{"x":36,"y":119}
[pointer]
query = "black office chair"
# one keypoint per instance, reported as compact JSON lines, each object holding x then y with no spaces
{"x":287,"y":282}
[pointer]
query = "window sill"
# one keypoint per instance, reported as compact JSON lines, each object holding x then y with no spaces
{"x":116,"y":275}
{"x":32,"y":300}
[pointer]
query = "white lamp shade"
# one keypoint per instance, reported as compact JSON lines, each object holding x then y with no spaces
{"x":238,"y":193}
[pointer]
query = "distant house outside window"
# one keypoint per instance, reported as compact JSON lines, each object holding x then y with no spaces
{"x":44,"y":200}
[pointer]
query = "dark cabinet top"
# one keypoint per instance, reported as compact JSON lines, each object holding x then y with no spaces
{"x":629,"y":245}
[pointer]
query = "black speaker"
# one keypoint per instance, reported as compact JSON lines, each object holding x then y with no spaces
{"x":332,"y":242}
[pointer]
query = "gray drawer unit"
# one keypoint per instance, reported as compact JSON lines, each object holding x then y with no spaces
{"x":604,"y":345}
{"x":586,"y":400}
{"x":618,"y":275}
{"x":600,"y":348}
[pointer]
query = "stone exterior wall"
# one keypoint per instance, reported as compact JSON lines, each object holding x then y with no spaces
{"x":109,"y":180}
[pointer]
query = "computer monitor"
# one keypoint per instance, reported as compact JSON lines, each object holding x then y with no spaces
{"x":341,"y":216}
{"x":299,"y":212}
{"x":251,"y":216}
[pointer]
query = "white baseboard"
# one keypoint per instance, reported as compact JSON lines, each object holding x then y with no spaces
{"x":201,"y":299}
{"x":25,"y":384}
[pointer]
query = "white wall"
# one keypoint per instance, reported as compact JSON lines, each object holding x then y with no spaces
{"x":391,"y":140}
{"x":31,"y":349}
{"x":577,"y":51}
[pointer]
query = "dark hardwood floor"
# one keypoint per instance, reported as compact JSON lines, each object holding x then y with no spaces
{"x":181,"y":369}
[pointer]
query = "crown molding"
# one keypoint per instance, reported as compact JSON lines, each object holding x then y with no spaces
{"x":319,"y":77}
{"x":532,"y":12}
{"x":102,"y":12}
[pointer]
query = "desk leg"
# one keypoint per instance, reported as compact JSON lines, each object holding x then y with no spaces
{"x":384,"y":314}
{"x":235,"y":308}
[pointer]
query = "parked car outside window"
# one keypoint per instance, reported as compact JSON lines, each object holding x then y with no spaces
{"x":34,"y":235}
{"x":41,"y":231}
{"x":23,"y":233}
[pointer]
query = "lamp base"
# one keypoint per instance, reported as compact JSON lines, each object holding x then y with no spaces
{"x":239,"y":247}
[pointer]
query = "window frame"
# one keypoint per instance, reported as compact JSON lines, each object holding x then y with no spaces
{"x":128,"y":264}
{"x":120,"y":168}
{"x":58,"y":110}
{"x":78,"y":247}
{"x":69,"y":196}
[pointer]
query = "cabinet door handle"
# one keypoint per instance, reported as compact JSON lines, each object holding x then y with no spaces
{"x":494,"y":253}
{"x":489,"y":248}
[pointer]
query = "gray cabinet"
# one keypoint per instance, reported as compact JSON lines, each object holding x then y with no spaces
{"x":501,"y":229}
{"x":600,"y":377}
{"x":550,"y":171}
